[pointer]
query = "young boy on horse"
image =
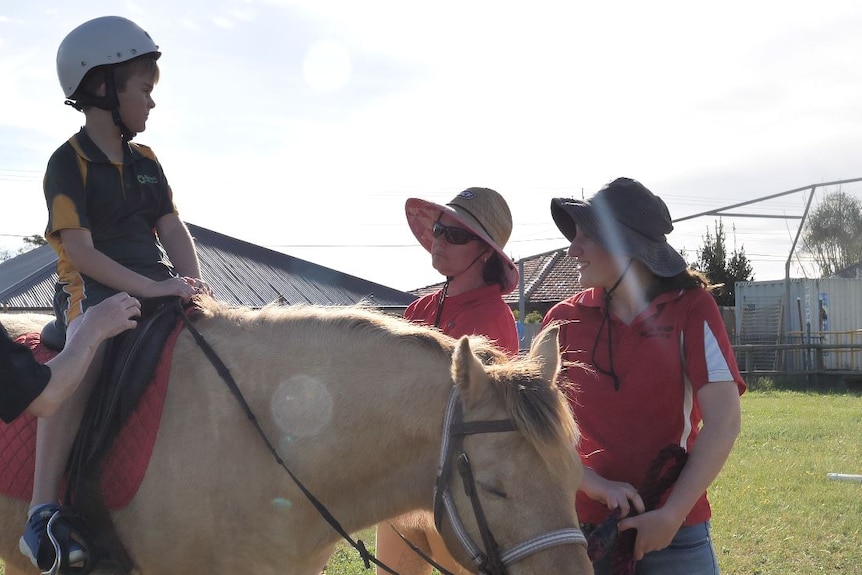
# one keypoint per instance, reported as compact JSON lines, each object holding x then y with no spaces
{"x":112,"y":221}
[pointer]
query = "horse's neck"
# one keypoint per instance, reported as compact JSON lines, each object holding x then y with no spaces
{"x":401,"y":448}
{"x":343,"y":424}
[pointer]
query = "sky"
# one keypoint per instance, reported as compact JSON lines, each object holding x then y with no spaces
{"x":303,"y":126}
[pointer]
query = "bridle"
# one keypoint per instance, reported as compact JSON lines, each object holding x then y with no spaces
{"x":492,"y":560}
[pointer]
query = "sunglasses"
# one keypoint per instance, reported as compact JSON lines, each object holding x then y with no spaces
{"x":454,"y":235}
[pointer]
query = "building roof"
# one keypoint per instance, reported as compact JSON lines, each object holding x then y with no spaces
{"x":852,"y":272}
{"x":547,"y":278}
{"x":239,"y":272}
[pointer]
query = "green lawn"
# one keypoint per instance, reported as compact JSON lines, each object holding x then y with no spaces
{"x":775,"y":511}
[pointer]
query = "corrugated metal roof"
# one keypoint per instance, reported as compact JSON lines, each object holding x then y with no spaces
{"x":239,"y":272}
{"x":27,"y":281}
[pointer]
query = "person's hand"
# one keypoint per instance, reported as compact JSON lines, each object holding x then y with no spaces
{"x":170,"y":287}
{"x":199,"y":285}
{"x":112,"y":316}
{"x":612,"y":494}
{"x":656,"y":530}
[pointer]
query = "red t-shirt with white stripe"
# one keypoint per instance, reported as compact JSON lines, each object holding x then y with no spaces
{"x":662,"y":359}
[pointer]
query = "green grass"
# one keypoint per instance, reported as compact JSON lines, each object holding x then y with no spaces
{"x":774,"y":510}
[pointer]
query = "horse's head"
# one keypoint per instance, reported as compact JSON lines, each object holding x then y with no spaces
{"x":510,"y":467}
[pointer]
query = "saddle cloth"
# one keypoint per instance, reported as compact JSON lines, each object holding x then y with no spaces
{"x":123,"y":467}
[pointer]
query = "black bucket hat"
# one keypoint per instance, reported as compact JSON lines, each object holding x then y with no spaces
{"x":624,"y":218}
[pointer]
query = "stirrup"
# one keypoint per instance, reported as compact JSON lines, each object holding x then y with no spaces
{"x":55,"y":541}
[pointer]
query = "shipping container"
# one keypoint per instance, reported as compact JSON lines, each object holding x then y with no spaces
{"x":821,"y":310}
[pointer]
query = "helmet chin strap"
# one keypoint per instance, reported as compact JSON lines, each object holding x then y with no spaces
{"x":110,"y":102}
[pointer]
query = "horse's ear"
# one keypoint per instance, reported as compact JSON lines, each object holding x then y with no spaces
{"x":468,"y":373}
{"x":546,"y":350}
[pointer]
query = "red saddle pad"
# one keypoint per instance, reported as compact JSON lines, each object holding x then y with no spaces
{"x":125,"y":464}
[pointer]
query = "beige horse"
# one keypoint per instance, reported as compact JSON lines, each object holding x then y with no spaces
{"x":334,"y":389}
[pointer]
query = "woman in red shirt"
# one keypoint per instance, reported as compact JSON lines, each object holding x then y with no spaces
{"x":466,"y":238}
{"x":663,"y":379}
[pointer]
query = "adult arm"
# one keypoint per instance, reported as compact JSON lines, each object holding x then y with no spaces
{"x":107,"y":319}
{"x":719,"y":405}
{"x":86,"y":259}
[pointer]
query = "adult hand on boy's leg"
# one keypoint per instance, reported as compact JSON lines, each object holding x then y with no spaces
{"x":111,"y":316}
{"x":106,"y":319}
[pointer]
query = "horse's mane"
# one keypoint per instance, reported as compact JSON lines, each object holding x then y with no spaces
{"x":359,"y":321}
{"x":538,"y":408}
{"x":540,"y":411}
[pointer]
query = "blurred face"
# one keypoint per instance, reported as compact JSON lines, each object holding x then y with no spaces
{"x":455,"y":259}
{"x":599,"y":268}
{"x":136,"y":101}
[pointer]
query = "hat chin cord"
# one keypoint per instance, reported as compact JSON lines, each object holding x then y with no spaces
{"x":606,"y":312}
{"x":619,"y":281}
{"x":445,"y":289}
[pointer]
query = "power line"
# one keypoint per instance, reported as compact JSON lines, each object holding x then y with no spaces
{"x":13,"y":175}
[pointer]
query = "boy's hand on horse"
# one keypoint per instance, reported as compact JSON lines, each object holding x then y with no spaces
{"x":170,"y":287}
{"x":200,"y":286}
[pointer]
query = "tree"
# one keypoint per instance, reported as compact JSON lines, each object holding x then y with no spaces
{"x":34,"y":241}
{"x":833,"y":233}
{"x":30,"y":242}
{"x":721,"y":269}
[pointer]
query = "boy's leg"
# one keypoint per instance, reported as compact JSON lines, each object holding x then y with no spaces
{"x":56,"y":434}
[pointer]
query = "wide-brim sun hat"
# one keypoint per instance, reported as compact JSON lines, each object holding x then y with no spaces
{"x":483,"y":211}
{"x":624,"y":218}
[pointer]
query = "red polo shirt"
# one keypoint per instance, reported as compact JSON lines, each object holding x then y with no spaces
{"x":481,"y":311}
{"x":667,"y":354}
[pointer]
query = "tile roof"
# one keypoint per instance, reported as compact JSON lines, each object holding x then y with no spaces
{"x":548,"y":278}
{"x":239,"y":272}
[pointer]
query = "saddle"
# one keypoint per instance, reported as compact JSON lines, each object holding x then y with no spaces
{"x":129,"y":363}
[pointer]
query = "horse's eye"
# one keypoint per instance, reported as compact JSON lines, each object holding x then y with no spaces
{"x":493,"y":491}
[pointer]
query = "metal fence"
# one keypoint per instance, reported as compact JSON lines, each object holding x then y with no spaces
{"x":825,"y":353}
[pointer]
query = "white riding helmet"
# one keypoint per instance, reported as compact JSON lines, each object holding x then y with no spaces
{"x":98,"y":42}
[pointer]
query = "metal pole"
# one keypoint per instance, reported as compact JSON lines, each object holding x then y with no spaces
{"x":788,"y":314}
{"x":522,"y":305}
